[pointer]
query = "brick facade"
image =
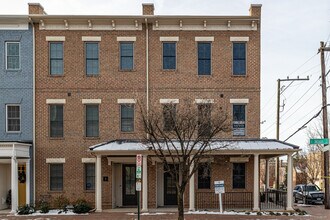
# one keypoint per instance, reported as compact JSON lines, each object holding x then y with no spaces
{"x":111,"y":84}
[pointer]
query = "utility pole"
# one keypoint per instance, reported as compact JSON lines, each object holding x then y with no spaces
{"x":277,"y":171}
{"x":325,"y":126}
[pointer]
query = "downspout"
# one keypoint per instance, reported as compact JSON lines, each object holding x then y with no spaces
{"x":33,"y":113}
{"x":147,"y":69}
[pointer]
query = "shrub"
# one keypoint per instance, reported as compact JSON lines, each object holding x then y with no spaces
{"x":61,"y":202}
{"x":25,"y":210}
{"x":44,"y":206}
{"x":81,"y":206}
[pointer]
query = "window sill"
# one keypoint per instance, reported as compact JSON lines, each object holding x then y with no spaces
{"x":89,"y":191}
{"x":132,"y":70}
{"x":13,"y":71}
{"x":53,"y":191}
{"x":245,"y":75}
{"x":91,"y":138}
{"x":169,"y":70}
{"x":127,"y":132}
{"x":56,"y":76}
{"x":56,"y":138}
{"x":13,"y":132}
{"x":92,"y":75}
{"x":210,"y":75}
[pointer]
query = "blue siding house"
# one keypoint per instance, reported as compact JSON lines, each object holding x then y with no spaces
{"x":16,"y":111}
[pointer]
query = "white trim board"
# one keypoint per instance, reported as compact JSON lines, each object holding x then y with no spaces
{"x":55,"y":101}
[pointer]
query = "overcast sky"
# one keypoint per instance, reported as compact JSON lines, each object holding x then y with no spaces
{"x":291,"y":35}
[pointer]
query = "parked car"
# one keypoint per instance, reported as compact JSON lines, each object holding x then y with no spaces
{"x":308,"y":194}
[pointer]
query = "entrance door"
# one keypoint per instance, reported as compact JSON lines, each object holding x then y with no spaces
{"x":170,"y":192}
{"x":129,"y":193}
{"x":21,"y":185}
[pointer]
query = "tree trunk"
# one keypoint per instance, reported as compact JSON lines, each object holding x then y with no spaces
{"x":180,"y":206}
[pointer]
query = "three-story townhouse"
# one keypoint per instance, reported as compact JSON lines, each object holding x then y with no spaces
{"x":92,"y":69}
{"x":16,"y":111}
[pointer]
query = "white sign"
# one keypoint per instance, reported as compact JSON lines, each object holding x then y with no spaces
{"x":326,"y":148}
{"x":138,"y":185}
{"x":139,"y":160}
{"x":219,"y":186}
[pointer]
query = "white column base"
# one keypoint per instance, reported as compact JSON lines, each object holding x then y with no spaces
{"x":256,"y":209}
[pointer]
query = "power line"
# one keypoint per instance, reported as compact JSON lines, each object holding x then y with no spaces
{"x":304,"y":125}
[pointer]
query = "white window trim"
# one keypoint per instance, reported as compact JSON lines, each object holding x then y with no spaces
{"x":91,"y":38}
{"x":239,"y":101}
{"x":239,"y":39}
{"x":55,"y":101}
{"x":20,"y":118}
{"x":88,"y":160}
{"x":125,"y":39}
{"x":126,"y":101}
{"x":169,"y":39}
{"x":168,"y":101}
{"x":55,"y":160}
{"x":19,"y":55}
{"x":205,"y":39}
{"x":204,"y":101}
{"x":91,"y":101}
{"x":55,"y":38}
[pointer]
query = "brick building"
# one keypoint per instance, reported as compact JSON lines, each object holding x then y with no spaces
{"x":90,"y":72}
{"x":16,"y":110}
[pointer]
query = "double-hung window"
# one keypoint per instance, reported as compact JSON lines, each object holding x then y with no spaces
{"x":126,"y":56}
{"x":204,"y":58}
{"x":56,"y":58}
{"x":12,"y":55}
{"x":92,"y":58}
{"x":239,"y":120}
{"x":56,"y":120}
{"x":89,"y":176}
{"x":56,"y":177}
{"x":238,"y":175}
{"x":239,"y":59}
{"x":13,"y":118}
{"x":169,"y":113}
{"x":204,"y":119}
{"x":169,"y":56}
{"x":92,"y":120}
{"x":204,"y":176}
{"x":127,"y":117}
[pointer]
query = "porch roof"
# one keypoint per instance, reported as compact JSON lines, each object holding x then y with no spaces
{"x":14,"y":149}
{"x":269,"y":145}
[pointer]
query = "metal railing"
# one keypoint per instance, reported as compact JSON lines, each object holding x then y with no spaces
{"x":273,"y":199}
{"x":231,"y":200}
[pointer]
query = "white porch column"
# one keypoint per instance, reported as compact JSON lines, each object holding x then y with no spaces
{"x":289,"y":184}
{"x":27,"y":173}
{"x":192,"y":190}
{"x":98,"y":181}
{"x":14,"y":185}
{"x":267,"y":174}
{"x":145,"y":183}
{"x":256,"y":183}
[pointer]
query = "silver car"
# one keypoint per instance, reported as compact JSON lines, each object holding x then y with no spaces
{"x":308,"y":194}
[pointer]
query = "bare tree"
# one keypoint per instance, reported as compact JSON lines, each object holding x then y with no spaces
{"x":181,"y":136}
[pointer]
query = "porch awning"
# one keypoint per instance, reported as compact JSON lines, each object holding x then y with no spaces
{"x":14,"y":149}
{"x":269,"y":145}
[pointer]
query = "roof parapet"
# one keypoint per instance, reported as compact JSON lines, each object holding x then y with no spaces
{"x":255,"y":10}
{"x":148,"y":9}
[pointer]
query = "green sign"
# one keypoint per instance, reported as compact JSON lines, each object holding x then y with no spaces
{"x":319,"y":141}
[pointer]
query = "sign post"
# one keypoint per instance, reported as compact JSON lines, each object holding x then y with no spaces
{"x":138,"y":180}
{"x":219,"y":187}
